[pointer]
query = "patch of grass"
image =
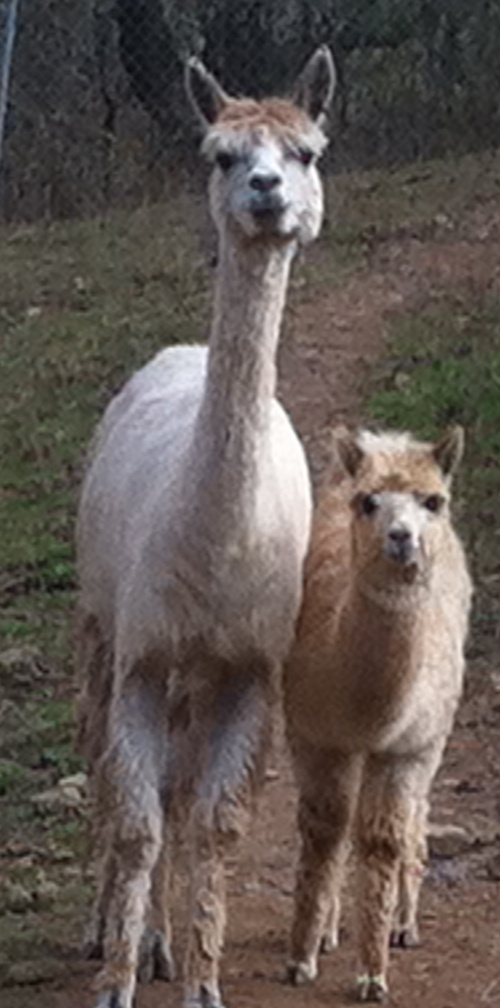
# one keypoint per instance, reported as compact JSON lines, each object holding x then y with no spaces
{"x":444,"y":368}
{"x":12,"y":776}
{"x":415,"y":196}
{"x":82,"y":305}
{"x":365,"y":209}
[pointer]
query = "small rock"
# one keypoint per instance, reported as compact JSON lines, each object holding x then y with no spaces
{"x":16,"y":898}
{"x":78,"y":780}
{"x":447,"y":840}
{"x":401,"y":380}
{"x":493,"y":867}
{"x":58,"y":800}
{"x":446,"y":871}
{"x":45,"y":892}
{"x":23,"y":664}
{"x":16,"y":849}
{"x":442,"y":220}
{"x":61,"y":855}
{"x":485,"y":833}
{"x":68,"y":794}
{"x":34,"y":972}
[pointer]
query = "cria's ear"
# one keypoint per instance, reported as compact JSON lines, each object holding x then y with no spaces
{"x":205,"y":94}
{"x":449,"y":450}
{"x":315,"y":87}
{"x":347,"y":449}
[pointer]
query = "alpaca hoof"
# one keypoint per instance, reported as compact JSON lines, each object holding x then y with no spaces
{"x":93,"y":950}
{"x":404,"y":938}
{"x":372,"y":989}
{"x":115,"y":999}
{"x":155,"y":958}
{"x":93,"y":939}
{"x":301,"y":973}
{"x":328,"y":944}
{"x":206,"y":998}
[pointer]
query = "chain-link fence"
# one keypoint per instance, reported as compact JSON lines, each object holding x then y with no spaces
{"x":93,"y":114}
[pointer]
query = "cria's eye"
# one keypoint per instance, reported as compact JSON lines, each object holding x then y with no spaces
{"x":305,"y":156}
{"x":433,"y":503}
{"x":225,"y":160}
{"x":369,"y":503}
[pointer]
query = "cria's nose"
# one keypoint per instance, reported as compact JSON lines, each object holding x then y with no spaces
{"x":264,"y":182}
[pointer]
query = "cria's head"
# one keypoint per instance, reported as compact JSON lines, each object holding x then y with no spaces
{"x":400,"y":496}
{"x":265,"y":181}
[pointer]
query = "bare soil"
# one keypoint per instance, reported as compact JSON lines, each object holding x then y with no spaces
{"x":329,"y":347}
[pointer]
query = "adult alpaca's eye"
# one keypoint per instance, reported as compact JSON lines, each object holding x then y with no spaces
{"x":305,"y":156}
{"x":433,"y":503}
{"x":225,"y":160}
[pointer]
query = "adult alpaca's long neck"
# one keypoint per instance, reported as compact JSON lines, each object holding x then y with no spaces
{"x":241,"y":377}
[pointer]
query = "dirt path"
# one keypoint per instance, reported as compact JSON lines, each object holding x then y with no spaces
{"x":328,"y":346}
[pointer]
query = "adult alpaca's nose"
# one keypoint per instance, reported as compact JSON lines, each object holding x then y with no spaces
{"x":265,"y":181}
{"x":400,"y":536}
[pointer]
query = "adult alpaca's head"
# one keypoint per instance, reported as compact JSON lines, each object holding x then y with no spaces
{"x":265,"y":184}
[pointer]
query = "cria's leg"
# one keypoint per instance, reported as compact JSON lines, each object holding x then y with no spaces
{"x":131,"y":777}
{"x":155,"y":954}
{"x":391,"y":813}
{"x":404,"y":932}
{"x":236,"y":728}
{"x":382,"y":827}
{"x":331,"y":936}
{"x":328,"y":786}
{"x":418,"y":777}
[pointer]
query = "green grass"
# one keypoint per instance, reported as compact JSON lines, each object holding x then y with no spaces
{"x":444,"y":368}
{"x":82,"y":306}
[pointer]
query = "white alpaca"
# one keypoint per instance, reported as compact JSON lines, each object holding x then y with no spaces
{"x":193,"y":526}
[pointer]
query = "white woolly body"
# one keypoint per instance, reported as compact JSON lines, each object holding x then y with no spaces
{"x":140,"y":488}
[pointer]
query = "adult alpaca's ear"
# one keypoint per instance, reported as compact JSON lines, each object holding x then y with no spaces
{"x":347,"y":449}
{"x":204,"y":92}
{"x":448,"y":451}
{"x":316,"y":85}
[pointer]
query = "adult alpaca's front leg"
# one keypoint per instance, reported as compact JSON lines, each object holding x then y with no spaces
{"x":155,"y":954}
{"x":207,"y":917}
{"x":131,"y":774}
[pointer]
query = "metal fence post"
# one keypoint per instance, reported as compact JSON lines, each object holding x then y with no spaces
{"x":8,"y":49}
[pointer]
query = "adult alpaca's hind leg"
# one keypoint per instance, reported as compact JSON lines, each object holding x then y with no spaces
{"x":235,"y":722}
{"x":94,"y":664}
{"x":132,"y":777}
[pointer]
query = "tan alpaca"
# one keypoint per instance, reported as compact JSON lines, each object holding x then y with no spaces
{"x":192,"y":532}
{"x":371,"y":687}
